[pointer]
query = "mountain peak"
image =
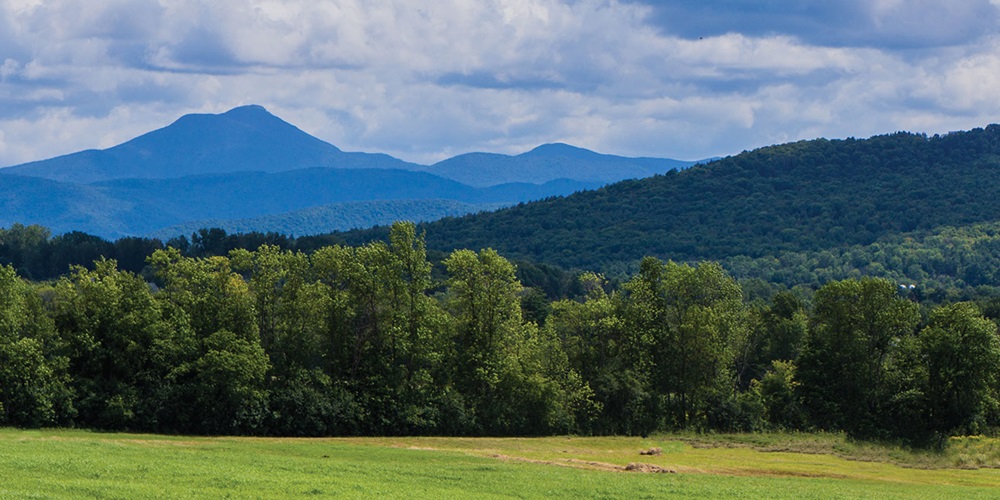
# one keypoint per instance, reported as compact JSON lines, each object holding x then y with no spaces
{"x":560,"y":149}
{"x":245,"y":138}
{"x":252,"y":111}
{"x":247,"y":108}
{"x":251,"y":114}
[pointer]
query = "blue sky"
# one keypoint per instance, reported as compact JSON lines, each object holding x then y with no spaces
{"x":684,"y":79}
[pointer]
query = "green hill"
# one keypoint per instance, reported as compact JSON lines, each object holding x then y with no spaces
{"x":803,"y":196}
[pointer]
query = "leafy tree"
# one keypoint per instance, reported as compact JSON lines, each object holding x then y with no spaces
{"x":213,"y":295}
{"x":388,"y":338}
{"x":227,"y":385}
{"x":117,"y":333}
{"x":962,"y":353}
{"x":514,"y":378}
{"x":694,"y":322}
{"x":845,"y":367}
{"x":777,"y":390}
{"x":484,"y":299}
{"x":25,"y":248}
{"x":609,"y":356}
{"x":33,"y":376}
{"x":222,"y":366}
{"x":778,"y":333}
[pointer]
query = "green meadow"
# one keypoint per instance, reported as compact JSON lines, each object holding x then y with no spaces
{"x":81,"y":464}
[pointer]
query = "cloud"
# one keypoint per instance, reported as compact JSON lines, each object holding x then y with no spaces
{"x":682,"y":79}
{"x":889,"y":24}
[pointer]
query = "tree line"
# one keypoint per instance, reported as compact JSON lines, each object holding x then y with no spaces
{"x":366,"y":340}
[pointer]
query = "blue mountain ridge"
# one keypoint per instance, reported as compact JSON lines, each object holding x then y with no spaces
{"x":247,"y":163}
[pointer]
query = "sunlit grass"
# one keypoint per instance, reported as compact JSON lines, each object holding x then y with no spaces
{"x":74,"y":464}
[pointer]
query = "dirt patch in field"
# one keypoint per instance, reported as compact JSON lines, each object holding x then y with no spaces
{"x":159,"y":442}
{"x":589,"y":464}
{"x":648,"y":468}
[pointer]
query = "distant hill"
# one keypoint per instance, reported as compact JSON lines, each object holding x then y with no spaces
{"x":250,"y":194}
{"x":247,"y":138}
{"x":549,"y":162}
{"x":803,"y":196}
{"x":127,"y":207}
{"x":334,"y":217}
{"x":64,"y":207}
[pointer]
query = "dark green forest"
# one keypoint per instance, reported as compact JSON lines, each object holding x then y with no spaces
{"x":367,"y":340}
{"x":803,"y":196}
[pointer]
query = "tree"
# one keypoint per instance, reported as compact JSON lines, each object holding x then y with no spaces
{"x":24,"y":248}
{"x":609,"y":357}
{"x":514,"y":378}
{"x":778,"y":333}
{"x":845,"y":366}
{"x":33,"y":375}
{"x":116,"y":333}
{"x":962,"y":353}
{"x":693,"y":320}
{"x":388,"y":339}
{"x":218,"y":383}
{"x":209,"y":291}
{"x":227,"y":385}
{"x":777,"y":390}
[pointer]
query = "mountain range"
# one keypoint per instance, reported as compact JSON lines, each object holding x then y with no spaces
{"x":249,"y":165}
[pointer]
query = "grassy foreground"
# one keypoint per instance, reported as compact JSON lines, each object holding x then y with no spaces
{"x":74,"y":464}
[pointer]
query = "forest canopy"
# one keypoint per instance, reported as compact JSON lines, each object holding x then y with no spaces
{"x":370,"y":340}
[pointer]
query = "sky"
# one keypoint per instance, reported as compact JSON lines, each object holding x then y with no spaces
{"x":423,"y":81}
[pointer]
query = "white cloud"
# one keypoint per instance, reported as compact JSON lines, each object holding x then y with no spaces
{"x":427,"y":81}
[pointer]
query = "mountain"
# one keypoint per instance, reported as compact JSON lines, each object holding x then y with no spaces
{"x":247,"y":138}
{"x":247,"y":163}
{"x":549,"y":162}
{"x":802,"y":196}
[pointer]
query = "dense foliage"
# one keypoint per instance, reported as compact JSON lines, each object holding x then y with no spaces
{"x":804,"y":196}
{"x":367,"y":340}
{"x":945,"y":264}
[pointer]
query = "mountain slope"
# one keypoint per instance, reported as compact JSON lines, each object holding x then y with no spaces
{"x":247,"y":138}
{"x":549,"y":162}
{"x":125,"y":207}
{"x":334,"y":217}
{"x":251,"y":194}
{"x":807,"y":195}
{"x":64,"y":207}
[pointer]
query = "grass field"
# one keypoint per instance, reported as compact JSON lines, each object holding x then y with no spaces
{"x":75,"y":464}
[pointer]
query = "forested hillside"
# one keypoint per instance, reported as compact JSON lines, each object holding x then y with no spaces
{"x":336,"y":216}
{"x":803,"y":196}
{"x":366,"y":340}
